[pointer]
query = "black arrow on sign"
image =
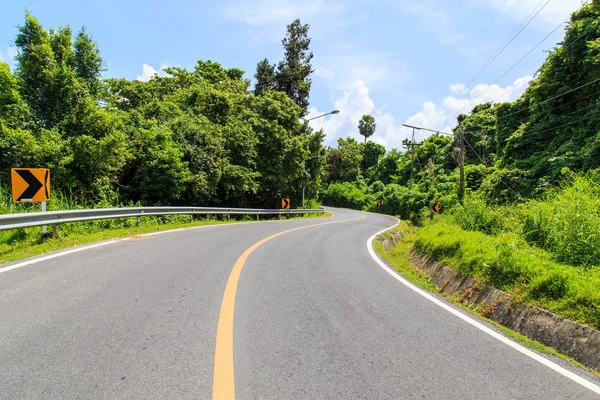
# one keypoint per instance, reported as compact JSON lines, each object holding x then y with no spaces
{"x":46,"y":176}
{"x":34,"y":184}
{"x":286,"y":203}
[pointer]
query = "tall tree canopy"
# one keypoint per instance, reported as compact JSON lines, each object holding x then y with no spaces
{"x":189,"y":137}
{"x":292,"y":74}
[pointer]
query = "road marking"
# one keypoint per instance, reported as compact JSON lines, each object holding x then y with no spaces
{"x":51,"y":256}
{"x":542,"y":360}
{"x":223,"y":377}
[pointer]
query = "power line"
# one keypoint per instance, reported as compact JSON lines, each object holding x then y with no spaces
{"x":552,"y":98}
{"x":507,"y":71}
{"x":548,"y":129}
{"x":497,"y":53}
{"x":531,"y":74}
{"x":555,"y":127}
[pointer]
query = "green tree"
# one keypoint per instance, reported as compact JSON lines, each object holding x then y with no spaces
{"x":372,"y":152}
{"x":293,"y":73}
{"x":351,"y":155}
{"x":333,"y":166}
{"x":265,"y":77}
{"x":14,"y":112}
{"x":36,"y":70}
{"x":366,"y":126}
{"x":88,"y":63}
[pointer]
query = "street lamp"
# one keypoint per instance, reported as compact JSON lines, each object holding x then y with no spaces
{"x":319,"y":116}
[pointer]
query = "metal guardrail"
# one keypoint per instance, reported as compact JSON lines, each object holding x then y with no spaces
{"x":26,"y":220}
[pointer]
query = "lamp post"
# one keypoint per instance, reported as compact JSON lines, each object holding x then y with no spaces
{"x":319,"y":116}
{"x":310,"y":119}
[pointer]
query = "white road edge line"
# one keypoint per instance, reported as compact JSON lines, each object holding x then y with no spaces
{"x":51,"y":256}
{"x":553,"y":366}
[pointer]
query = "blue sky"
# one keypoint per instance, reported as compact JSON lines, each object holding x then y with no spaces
{"x":401,"y":61}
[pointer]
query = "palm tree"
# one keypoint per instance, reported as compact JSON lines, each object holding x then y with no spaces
{"x":366,"y":126}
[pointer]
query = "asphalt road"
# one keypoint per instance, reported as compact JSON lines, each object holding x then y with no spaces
{"x":315,"y":318}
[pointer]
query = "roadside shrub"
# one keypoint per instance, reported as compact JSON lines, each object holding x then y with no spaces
{"x":474,"y":175}
{"x":477,"y":215}
{"x":407,"y":204}
{"x":310,"y":204}
{"x":344,"y":194}
{"x":376,"y":187}
{"x":567,"y":222}
{"x":503,"y":185}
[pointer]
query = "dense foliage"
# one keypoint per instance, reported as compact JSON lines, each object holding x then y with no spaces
{"x":511,"y":151}
{"x":292,"y":75}
{"x":196,"y":137}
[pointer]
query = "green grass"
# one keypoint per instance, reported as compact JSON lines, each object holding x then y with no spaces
{"x":398,"y":258}
{"x":22,"y":243}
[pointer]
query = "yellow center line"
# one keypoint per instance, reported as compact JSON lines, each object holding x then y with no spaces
{"x":223,"y":380}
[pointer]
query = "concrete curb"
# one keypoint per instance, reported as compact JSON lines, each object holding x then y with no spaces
{"x":578,"y":341}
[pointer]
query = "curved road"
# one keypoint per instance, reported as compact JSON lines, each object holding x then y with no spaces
{"x":315,"y":318}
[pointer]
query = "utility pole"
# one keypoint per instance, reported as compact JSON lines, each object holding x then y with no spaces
{"x":411,"y":144}
{"x":461,"y":164}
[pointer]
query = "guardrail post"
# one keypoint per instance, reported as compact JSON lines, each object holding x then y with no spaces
{"x":258,"y":217}
{"x":139,"y":221}
{"x":44,"y":228}
{"x":191,"y":218}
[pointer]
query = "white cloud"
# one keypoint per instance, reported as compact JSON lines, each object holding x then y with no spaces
{"x":357,"y":101}
{"x":439,"y":118}
{"x":354,"y":103}
{"x":457,"y":88}
{"x":555,"y":12}
{"x":147,"y":72}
